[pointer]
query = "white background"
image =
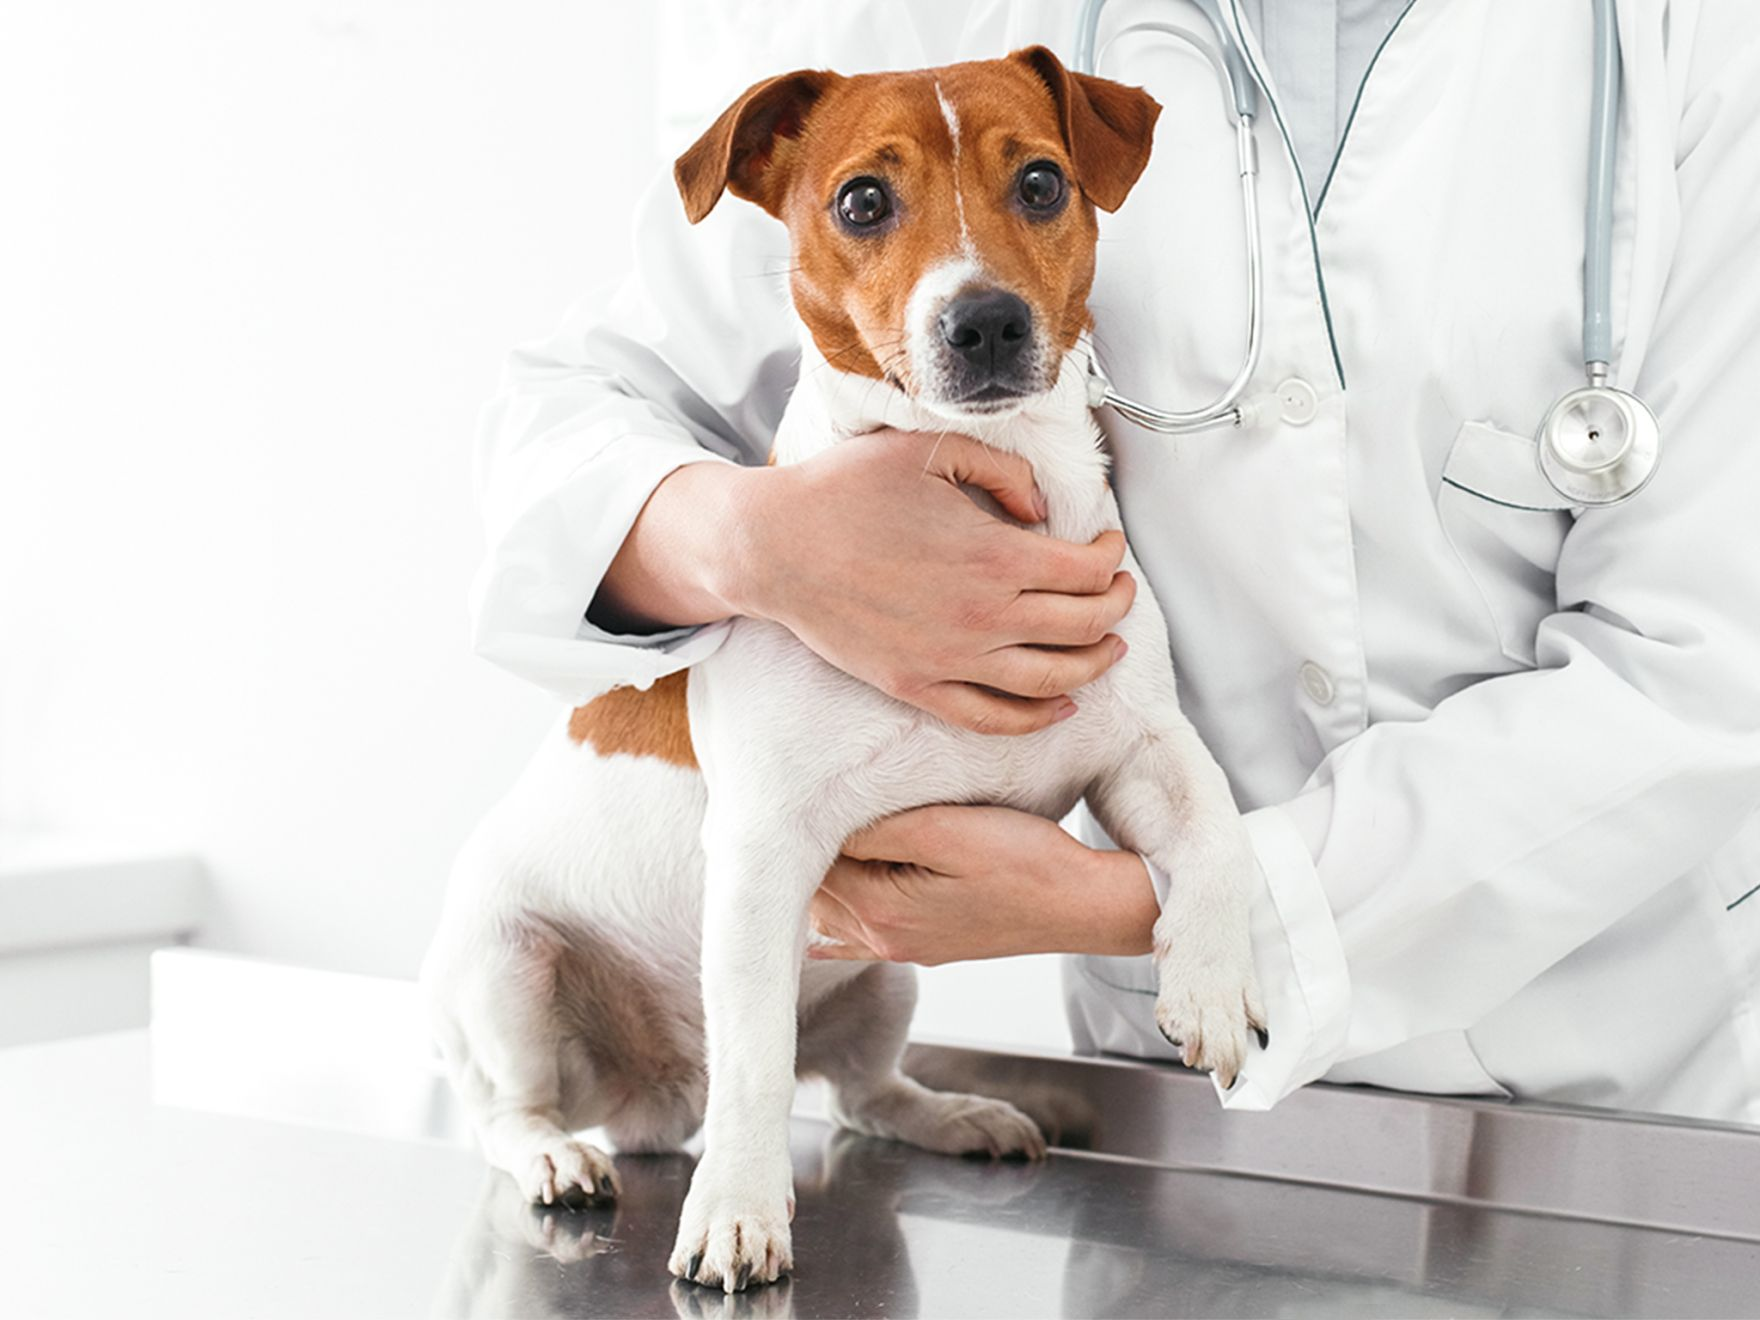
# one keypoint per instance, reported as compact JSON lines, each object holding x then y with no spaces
{"x":258,"y":267}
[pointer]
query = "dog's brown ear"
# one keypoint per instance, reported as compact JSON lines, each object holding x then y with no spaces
{"x":1107,"y":126}
{"x":746,"y":150}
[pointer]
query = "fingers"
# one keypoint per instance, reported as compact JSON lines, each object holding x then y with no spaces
{"x":941,"y":839}
{"x":987,"y":712}
{"x":1047,"y":564}
{"x":841,"y":953}
{"x":918,"y":835}
{"x":1049,"y":618}
{"x":833,"y":920}
{"x":1008,"y":477}
{"x":1031,"y":671}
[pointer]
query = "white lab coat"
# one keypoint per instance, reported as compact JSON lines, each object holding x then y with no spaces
{"x":1501,"y":758}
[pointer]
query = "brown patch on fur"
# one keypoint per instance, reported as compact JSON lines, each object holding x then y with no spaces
{"x":790,"y":143}
{"x":1107,"y":126}
{"x":637,"y":723}
{"x":748,"y":147}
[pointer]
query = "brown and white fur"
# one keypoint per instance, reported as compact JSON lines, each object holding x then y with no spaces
{"x":623,"y":942}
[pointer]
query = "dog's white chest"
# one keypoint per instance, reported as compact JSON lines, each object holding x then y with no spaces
{"x":792,"y":731}
{"x":768,"y":715}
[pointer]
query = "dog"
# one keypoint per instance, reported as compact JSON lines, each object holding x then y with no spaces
{"x":623,"y":942}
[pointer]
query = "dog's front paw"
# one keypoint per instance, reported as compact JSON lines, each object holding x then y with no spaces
{"x":1208,"y":1002}
{"x":734,"y":1230}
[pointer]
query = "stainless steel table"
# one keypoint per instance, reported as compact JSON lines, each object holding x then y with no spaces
{"x":1342,"y":1202}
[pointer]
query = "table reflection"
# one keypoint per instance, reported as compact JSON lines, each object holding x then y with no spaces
{"x":851,"y":1254}
{"x":882,"y":1229}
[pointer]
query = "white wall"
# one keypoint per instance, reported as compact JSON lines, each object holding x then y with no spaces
{"x":258,"y":267}
{"x":270,"y":259}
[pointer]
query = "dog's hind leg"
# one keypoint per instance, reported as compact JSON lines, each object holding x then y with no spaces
{"x":854,"y":1037}
{"x":500,"y":1033}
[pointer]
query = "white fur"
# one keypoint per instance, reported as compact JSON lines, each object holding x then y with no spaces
{"x":668,"y":871}
{"x":951,"y":115}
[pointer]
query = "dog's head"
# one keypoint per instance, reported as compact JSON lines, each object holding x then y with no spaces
{"x":942,"y":221}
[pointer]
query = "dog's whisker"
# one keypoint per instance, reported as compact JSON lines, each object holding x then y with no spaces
{"x":934,"y":449}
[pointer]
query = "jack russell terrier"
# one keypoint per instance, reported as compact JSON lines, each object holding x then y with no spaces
{"x":624,"y":936}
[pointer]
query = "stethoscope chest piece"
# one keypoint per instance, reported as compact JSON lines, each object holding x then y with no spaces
{"x":1598,"y":445}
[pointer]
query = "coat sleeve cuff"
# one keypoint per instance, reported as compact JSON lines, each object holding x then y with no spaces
{"x":529,"y":622}
{"x":1301,"y":964}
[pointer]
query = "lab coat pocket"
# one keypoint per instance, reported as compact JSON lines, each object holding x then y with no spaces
{"x":1507,"y":526}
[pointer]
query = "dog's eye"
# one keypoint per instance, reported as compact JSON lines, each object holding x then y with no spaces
{"x":1041,"y":185}
{"x":863,"y":202}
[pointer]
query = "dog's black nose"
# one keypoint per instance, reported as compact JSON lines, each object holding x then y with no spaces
{"x":988,"y":328}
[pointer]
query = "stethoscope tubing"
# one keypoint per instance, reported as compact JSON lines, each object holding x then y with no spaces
{"x":1225,"y":409}
{"x":1598,"y":223}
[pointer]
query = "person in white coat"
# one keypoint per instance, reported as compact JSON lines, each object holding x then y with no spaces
{"x":1500,"y":756}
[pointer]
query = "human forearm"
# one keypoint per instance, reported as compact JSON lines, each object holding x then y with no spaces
{"x":676,"y":568}
{"x":952,"y":884}
{"x":876,"y":559}
{"x":1112,"y":911}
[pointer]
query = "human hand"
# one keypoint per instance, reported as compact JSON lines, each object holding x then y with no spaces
{"x":950,"y":884}
{"x":872,"y":555}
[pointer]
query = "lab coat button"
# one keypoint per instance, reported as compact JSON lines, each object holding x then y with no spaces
{"x":1297,"y":402}
{"x":1317,"y":683}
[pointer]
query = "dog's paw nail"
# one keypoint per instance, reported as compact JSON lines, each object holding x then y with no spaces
{"x":744,"y":1277}
{"x":605,"y":1188}
{"x":1264,"y":1037}
{"x":696,"y":1263}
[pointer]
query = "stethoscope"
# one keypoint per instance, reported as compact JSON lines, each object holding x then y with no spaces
{"x":1597,"y":445}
